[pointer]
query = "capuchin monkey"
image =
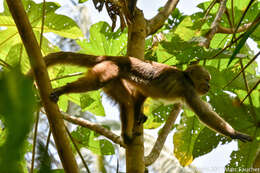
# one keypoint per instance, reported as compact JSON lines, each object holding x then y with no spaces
{"x":129,"y":81}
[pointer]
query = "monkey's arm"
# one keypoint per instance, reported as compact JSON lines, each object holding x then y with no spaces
{"x":212,"y":119}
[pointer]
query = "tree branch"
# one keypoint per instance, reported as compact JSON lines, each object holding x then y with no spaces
{"x":155,"y":152}
{"x":214,"y":26}
{"x":95,"y":127}
{"x":243,"y":28}
{"x":157,"y":21}
{"x":42,"y":79}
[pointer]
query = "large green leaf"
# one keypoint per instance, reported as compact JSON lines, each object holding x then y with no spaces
{"x":103,"y":41}
{"x":223,"y":77}
{"x":206,"y":142}
{"x":175,"y":50}
{"x":55,"y":23}
{"x":185,"y":137}
{"x":17,"y":117}
{"x":234,"y":114}
{"x":92,"y":102}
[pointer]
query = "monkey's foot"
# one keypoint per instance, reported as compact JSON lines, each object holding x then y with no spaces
{"x":243,"y":137}
{"x":127,"y":139}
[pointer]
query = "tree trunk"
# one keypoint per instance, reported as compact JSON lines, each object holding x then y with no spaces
{"x":136,"y":46}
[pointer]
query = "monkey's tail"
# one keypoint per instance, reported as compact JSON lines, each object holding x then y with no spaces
{"x":70,"y":58}
{"x":73,"y":59}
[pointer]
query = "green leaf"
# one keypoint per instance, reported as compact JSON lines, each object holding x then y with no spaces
{"x":221,"y":78}
{"x":243,"y":40}
{"x":55,"y":23}
{"x":103,"y":41}
{"x":206,"y":142}
{"x":15,"y":90}
{"x":184,"y":31}
{"x":92,"y":102}
{"x":157,"y":113}
{"x":185,"y":137}
{"x":87,"y":138}
{"x":82,"y":1}
{"x":234,"y":114}
{"x":61,"y":72}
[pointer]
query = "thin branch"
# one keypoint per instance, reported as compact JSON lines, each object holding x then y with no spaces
{"x":48,"y":140}
{"x":95,"y":127}
{"x":250,"y":62}
{"x":229,"y":20}
{"x":247,"y":89}
{"x":243,"y":28}
{"x":211,"y":5}
{"x":157,"y":21}
{"x":215,"y":24}
{"x":77,"y":149}
{"x":67,"y":76}
{"x":34,"y":139}
{"x":253,"y":88}
{"x":241,"y":19}
{"x":155,"y":152}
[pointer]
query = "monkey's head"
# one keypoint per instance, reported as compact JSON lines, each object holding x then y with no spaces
{"x":200,"y":78}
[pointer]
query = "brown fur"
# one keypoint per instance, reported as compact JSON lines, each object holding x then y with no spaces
{"x":130,"y":80}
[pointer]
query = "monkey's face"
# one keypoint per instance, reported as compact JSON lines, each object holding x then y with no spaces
{"x":202,"y":85}
{"x":200,"y":78}
{"x":201,"y":82}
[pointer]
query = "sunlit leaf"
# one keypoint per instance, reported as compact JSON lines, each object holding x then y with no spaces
{"x":89,"y":139}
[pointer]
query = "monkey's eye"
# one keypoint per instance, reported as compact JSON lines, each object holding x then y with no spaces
{"x":207,"y":78}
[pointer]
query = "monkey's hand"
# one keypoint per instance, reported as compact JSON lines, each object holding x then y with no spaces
{"x":141,"y":119}
{"x":54,"y":96}
{"x":241,"y":136}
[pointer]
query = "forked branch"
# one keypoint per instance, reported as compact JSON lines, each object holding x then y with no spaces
{"x":157,"y":21}
{"x":214,"y":26}
{"x":243,"y":28}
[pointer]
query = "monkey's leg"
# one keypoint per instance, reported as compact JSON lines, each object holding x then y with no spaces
{"x":138,"y":104}
{"x":83,"y":84}
{"x":127,"y":122}
{"x":122,"y":95}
